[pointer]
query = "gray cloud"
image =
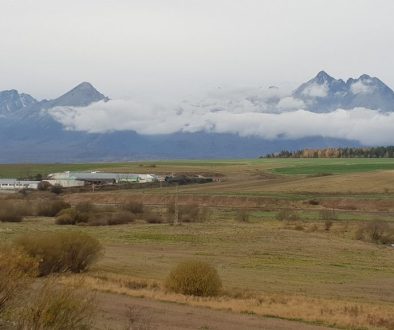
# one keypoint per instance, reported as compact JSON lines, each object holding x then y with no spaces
{"x":245,"y":114}
{"x":315,"y":90}
{"x":362,"y":87}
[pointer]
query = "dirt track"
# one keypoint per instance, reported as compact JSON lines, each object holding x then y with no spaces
{"x":149,"y":314}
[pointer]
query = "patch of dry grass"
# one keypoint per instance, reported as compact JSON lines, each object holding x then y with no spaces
{"x":53,"y":306}
{"x":332,"y":312}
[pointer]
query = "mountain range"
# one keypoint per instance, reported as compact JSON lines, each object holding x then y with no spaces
{"x":324,"y":93}
{"x":29,"y":133}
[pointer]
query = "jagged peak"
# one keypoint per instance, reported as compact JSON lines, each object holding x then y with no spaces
{"x":364,"y":77}
{"x":9,"y":91}
{"x":323,"y":76}
{"x":85,"y":84}
{"x":81,"y":95}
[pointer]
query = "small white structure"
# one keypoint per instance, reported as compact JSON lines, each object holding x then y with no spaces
{"x":14,"y":184}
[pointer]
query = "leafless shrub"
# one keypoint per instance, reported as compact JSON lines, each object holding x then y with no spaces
{"x":121,"y":217}
{"x":171,"y":208}
{"x":15,"y":269}
{"x":189,"y":213}
{"x":194,"y":277}
{"x":53,"y":306}
{"x":98,"y":219}
{"x":153,"y":218}
{"x":85,"y":207}
{"x":13,"y":210}
{"x":376,"y":231}
{"x":50,"y":208}
{"x":299,"y":227}
{"x":60,"y":251}
{"x":9,"y":212}
{"x":134,"y":207}
{"x":67,"y":217}
{"x":193,"y":213}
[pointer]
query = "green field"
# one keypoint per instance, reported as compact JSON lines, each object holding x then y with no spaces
{"x":280,"y":166}
{"x":337,"y":168}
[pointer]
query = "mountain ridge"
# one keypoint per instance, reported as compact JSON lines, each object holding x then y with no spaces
{"x":323,"y":93}
{"x":29,"y":133}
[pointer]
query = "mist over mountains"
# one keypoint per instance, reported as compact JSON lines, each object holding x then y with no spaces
{"x":85,"y":125}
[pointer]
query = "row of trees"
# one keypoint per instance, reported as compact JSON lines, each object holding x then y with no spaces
{"x":371,"y":152}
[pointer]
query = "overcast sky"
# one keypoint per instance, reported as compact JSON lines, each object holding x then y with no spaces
{"x":130,"y":48}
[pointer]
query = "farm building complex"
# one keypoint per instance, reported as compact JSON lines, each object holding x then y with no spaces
{"x":79,"y":179}
{"x":75,"y":179}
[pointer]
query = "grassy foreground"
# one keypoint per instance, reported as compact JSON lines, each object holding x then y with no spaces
{"x":287,"y":269}
{"x":267,"y":267}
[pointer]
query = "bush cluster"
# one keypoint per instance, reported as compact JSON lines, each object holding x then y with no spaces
{"x":377,"y":232}
{"x":10,"y":212}
{"x":60,"y":251}
{"x":153,"y":218}
{"x":56,"y":307}
{"x":15,"y":269}
{"x":46,"y":305}
{"x":134,"y":207}
{"x":110,"y":218}
{"x":13,"y":210}
{"x":86,"y":213}
{"x":187,"y":213}
{"x":194,"y":277}
{"x":50,"y":208}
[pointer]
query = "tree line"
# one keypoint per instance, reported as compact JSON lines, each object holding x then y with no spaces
{"x":364,"y":152}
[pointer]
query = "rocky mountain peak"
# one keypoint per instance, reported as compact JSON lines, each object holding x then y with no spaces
{"x":325,"y":93}
{"x":80,"y":96}
{"x":323,"y":77}
{"x":11,"y":101}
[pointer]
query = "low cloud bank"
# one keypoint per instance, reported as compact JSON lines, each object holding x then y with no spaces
{"x":270,"y":116}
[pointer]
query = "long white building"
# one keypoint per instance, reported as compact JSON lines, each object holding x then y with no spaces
{"x":14,"y":184}
{"x":69,"y":179}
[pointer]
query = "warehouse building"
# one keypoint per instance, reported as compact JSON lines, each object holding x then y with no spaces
{"x":15,"y":184}
{"x":73,"y":179}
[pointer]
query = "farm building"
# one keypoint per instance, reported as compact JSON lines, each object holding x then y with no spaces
{"x":14,"y":184}
{"x":66,"y":183}
{"x":72,"y":179}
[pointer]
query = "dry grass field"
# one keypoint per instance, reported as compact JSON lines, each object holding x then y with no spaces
{"x":294,"y":269}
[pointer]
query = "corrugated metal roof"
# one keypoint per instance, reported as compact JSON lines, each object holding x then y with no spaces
{"x":15,"y":181}
{"x":96,"y":176}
